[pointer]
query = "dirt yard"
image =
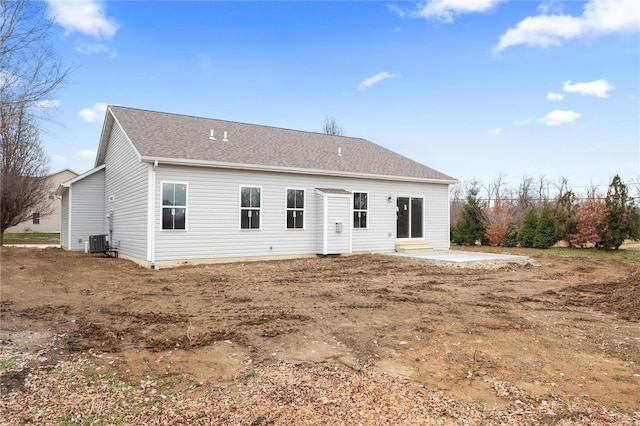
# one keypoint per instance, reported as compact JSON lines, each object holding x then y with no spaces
{"x":554,"y":344}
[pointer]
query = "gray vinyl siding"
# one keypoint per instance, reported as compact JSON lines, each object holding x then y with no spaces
{"x":126,"y":184}
{"x":213,"y":214}
{"x":436,"y":211}
{"x":86,"y":210}
{"x":64,"y":220}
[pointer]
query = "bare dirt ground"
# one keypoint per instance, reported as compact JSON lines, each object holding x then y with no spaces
{"x":368,"y":339}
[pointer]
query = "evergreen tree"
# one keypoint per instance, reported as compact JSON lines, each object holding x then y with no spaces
{"x":510,"y":239}
{"x":471,"y":225}
{"x":564,"y":216}
{"x":621,"y":220}
{"x":527,"y":232}
{"x":546,"y":233}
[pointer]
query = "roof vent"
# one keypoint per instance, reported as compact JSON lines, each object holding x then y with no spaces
{"x":212,"y":136}
{"x":224,"y":137}
{"x":339,"y":151}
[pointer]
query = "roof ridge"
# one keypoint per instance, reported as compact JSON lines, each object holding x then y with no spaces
{"x":239,"y":122}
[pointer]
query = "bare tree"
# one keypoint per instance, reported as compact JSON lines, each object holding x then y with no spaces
{"x":29,"y":68}
{"x":456,"y":199}
{"x":525,"y":198}
{"x":30,"y":71}
{"x":330,"y":126}
{"x":543,"y":191}
{"x":23,"y":171}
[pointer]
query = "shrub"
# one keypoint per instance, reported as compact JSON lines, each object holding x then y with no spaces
{"x":588,"y":216}
{"x":527,"y":232}
{"x":564,"y":216}
{"x":621,"y":220}
{"x":546,"y":233}
{"x":510,"y":238}
{"x":499,"y":218}
{"x":471,"y":225}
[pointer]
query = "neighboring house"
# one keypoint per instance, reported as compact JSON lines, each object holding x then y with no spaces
{"x":51,"y":221}
{"x":170,"y":188}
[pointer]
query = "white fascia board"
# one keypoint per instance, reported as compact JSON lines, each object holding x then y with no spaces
{"x":68,"y":183}
{"x":259,"y":168}
{"x":333,"y":194}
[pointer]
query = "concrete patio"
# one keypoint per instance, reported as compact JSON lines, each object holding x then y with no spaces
{"x":467,"y":258}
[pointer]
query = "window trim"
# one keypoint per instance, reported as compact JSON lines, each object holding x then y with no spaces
{"x":35,"y":218}
{"x":354,"y":210}
{"x":303,"y":209}
{"x":186,"y":206}
{"x":240,"y":208}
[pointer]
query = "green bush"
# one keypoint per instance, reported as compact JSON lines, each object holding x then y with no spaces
{"x":471,"y":226}
{"x":527,"y":233}
{"x":546,"y":233}
{"x":621,"y":220}
{"x":510,"y":238}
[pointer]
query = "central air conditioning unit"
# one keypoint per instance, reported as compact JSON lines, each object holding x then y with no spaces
{"x":99,"y":243}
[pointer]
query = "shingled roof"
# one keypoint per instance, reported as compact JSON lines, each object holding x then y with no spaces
{"x":182,"y":139}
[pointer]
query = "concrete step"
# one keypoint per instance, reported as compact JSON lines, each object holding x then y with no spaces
{"x":412,"y":246}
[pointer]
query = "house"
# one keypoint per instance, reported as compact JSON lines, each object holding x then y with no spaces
{"x":171,"y":188}
{"x":51,"y":221}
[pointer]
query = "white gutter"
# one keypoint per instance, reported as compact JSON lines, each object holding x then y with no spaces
{"x":151,"y":213}
{"x":280,"y":169}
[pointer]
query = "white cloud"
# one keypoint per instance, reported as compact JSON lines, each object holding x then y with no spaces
{"x":85,"y":16}
{"x":87,"y":48}
{"x":547,"y":6}
{"x":57,"y":158}
{"x":597,"y":88}
{"x":47,"y":103}
{"x":600,"y":17}
{"x":86,"y":154}
{"x":494,"y":132}
{"x":555,"y":96}
{"x":368,"y":82}
{"x":444,"y":10}
{"x":522,"y":122}
{"x":95,"y":113}
{"x":401,"y":12}
{"x":558,"y":117}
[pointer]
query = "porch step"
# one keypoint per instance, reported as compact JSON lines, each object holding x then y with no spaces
{"x":412,"y":246}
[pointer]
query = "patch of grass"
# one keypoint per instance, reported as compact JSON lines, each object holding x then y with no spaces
{"x":69,"y":420}
{"x":248,"y":375}
{"x":6,"y":364}
{"x":479,"y":400}
{"x":32,"y":238}
{"x":95,"y":373}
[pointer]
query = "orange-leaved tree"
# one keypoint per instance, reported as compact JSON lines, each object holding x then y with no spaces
{"x":588,"y":215}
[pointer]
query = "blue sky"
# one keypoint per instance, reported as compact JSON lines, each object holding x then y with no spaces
{"x":470,"y":88}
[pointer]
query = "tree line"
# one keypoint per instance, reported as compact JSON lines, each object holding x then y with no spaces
{"x":530,"y":216}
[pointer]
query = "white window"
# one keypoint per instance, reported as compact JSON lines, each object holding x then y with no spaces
{"x":174,"y":205}
{"x":295,"y":208}
{"x":250,"y":206}
{"x":360,"y":209}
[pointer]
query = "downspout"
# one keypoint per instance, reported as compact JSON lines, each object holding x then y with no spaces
{"x":449,"y":216}
{"x":325,"y":224}
{"x":151,"y":214}
{"x":69,"y":230}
